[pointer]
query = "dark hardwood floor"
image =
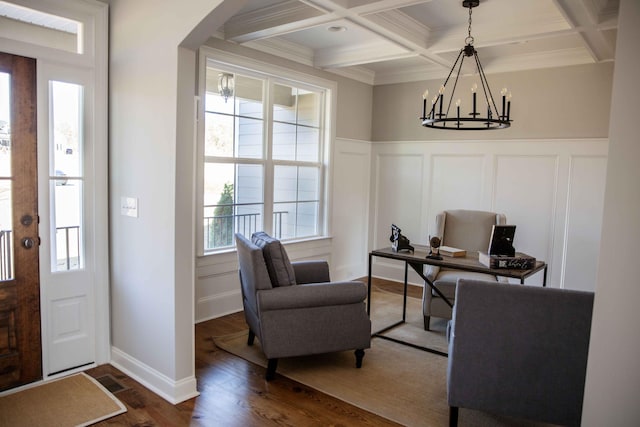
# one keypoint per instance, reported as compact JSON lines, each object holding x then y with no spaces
{"x":233,"y":392}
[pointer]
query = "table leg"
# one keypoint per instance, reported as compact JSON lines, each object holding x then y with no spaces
{"x":379,"y":334}
{"x":404,"y":302}
{"x":369,"y":288}
{"x":418,"y":268}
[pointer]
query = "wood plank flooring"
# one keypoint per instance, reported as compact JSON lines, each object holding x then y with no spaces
{"x":233,"y":392}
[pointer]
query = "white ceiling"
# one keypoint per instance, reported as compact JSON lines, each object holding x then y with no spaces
{"x":391,"y":41}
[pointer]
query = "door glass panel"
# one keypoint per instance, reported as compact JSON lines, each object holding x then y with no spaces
{"x":6,"y":223}
{"x":66,"y":176}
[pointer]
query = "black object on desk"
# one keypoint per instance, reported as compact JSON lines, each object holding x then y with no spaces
{"x":398,"y":241}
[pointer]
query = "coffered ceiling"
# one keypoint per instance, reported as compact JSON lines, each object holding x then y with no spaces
{"x":390,"y":41}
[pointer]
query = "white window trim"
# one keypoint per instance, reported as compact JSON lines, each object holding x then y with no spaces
{"x":246,"y":66}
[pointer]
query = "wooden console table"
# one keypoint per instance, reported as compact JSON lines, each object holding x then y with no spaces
{"x":418,"y":259}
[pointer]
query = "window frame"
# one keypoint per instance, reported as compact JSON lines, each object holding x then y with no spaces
{"x":271,"y":74}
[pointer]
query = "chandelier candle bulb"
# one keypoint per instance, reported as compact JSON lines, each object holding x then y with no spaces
{"x":503,"y":92}
{"x":473,"y":91}
{"x":508,"y":105}
{"x":424,"y":103}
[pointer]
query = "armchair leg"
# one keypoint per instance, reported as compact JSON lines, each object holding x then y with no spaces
{"x":426,"y":322}
{"x":251,"y":337}
{"x":359,"y":356}
{"x":272,"y":365}
{"x":453,"y":416}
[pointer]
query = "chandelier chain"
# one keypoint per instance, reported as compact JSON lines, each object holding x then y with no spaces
{"x":469,"y":39}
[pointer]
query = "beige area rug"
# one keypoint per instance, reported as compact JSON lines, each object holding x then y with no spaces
{"x":397,"y":382}
{"x":76,"y":400}
{"x":386,"y":309}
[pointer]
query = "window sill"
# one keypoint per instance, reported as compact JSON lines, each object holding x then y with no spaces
{"x":295,"y":244}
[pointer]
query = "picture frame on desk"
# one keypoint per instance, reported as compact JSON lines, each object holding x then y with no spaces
{"x":501,"y":241}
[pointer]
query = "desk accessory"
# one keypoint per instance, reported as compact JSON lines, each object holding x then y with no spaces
{"x":434,"y":248}
{"x":398,"y":241}
{"x":501,"y":241}
{"x":518,"y":261}
{"x":452,"y":252}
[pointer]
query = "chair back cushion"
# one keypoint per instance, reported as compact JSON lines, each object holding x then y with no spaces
{"x":468,"y":229}
{"x":253,"y":269}
{"x":278,"y":264}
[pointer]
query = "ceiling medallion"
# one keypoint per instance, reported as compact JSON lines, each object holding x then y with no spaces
{"x":441,"y":118}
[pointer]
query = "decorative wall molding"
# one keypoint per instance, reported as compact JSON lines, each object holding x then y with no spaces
{"x":551,"y":189}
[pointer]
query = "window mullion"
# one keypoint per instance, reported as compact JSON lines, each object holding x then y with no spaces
{"x":268,"y":153}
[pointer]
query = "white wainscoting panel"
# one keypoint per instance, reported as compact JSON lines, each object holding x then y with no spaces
{"x":350,"y":207}
{"x":450,"y":187}
{"x":525,"y":191}
{"x":399,"y":181}
{"x":587,"y":177}
{"x":552,"y":190}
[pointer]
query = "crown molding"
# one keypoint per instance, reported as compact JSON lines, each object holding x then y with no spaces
{"x":359,"y":74}
{"x":273,"y":20}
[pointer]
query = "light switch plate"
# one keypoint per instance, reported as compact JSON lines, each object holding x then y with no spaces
{"x":129,"y":206}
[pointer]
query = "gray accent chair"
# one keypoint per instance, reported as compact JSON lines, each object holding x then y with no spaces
{"x":463,"y":229}
{"x":304,"y":315}
{"x":519,"y":351}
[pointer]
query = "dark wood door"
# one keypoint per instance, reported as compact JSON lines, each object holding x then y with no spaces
{"x":20,"y":339}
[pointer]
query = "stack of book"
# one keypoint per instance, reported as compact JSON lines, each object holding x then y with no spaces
{"x":453,"y":252}
{"x":518,"y":262}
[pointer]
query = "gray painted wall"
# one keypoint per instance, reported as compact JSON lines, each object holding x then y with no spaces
{"x":555,"y":103}
{"x":613,"y":371}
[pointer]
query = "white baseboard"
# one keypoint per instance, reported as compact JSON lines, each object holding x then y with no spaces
{"x":172,"y":391}
{"x":214,"y":306}
{"x":395,"y":271}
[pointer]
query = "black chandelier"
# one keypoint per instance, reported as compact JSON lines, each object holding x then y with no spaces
{"x":438,"y":119}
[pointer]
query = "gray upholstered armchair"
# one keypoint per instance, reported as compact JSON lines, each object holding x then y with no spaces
{"x":464,"y":229}
{"x":519,"y":351}
{"x":294,"y":309}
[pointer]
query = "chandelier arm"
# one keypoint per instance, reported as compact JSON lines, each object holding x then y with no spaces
{"x":483,"y":79}
{"x":433,"y":107}
{"x":455,"y":84}
{"x":454,"y":66}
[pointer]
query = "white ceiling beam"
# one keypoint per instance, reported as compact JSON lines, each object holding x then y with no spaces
{"x":274,"y":20}
{"x":588,"y":18}
{"x":363,"y":9}
{"x":357,"y":55}
{"x":398,"y":24}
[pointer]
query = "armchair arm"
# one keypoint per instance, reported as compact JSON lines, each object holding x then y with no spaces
{"x":311,"y":271}
{"x":311,"y":295}
{"x":431,"y":271}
